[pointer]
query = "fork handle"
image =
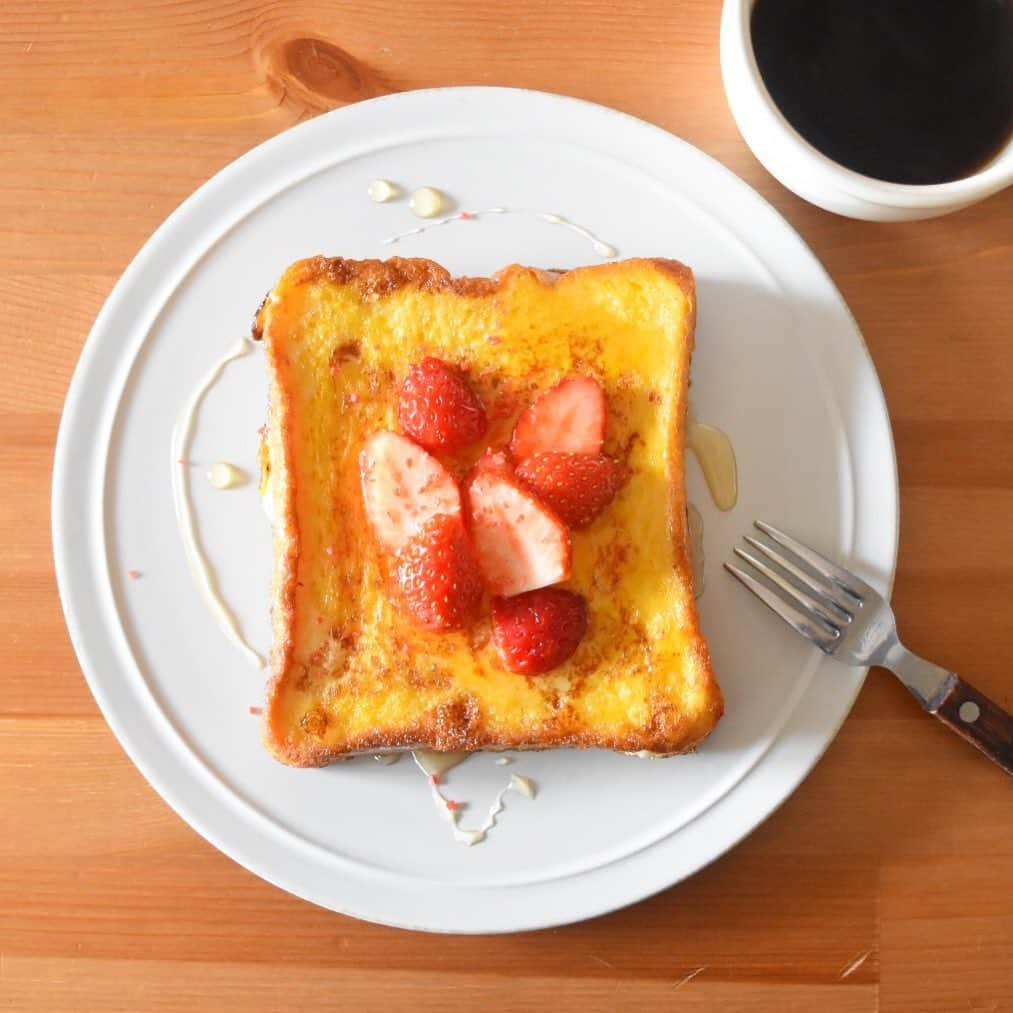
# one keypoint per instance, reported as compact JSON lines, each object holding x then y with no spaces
{"x":980,"y":721}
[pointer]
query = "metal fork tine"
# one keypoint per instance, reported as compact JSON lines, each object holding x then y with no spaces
{"x":822,"y":607}
{"x":822,"y":634}
{"x":844,"y":579}
{"x":824,"y":588}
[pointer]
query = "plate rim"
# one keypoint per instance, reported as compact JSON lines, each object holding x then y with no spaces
{"x":63,"y":526}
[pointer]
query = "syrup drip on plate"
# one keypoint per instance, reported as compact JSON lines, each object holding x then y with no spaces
{"x":426,"y":202}
{"x":694,"y":527}
{"x":604,"y":250}
{"x":438,"y":763}
{"x":716,"y":455}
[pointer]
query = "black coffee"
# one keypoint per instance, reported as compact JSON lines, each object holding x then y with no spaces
{"x":910,"y":91}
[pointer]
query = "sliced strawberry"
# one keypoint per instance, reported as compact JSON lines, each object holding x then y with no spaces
{"x":567,"y":417}
{"x":438,"y":408}
{"x":577,"y":486}
{"x":438,"y":576}
{"x":538,"y":631}
{"x":403,"y":487}
{"x":494,"y":462}
{"x":520,"y":544}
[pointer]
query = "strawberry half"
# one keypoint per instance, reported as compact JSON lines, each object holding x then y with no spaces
{"x":538,"y":631}
{"x":493,"y":462}
{"x":520,"y":544}
{"x":569,"y":417}
{"x":438,"y":408}
{"x":438,"y":576}
{"x":403,"y":487}
{"x":576,"y":486}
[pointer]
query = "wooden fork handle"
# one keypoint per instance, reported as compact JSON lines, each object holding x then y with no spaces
{"x":980,"y":721}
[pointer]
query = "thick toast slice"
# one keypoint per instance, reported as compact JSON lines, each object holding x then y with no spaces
{"x":352,"y":673}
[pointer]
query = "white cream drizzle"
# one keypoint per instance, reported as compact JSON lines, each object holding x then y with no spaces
{"x":223,"y":475}
{"x":518,"y":784}
{"x":600,"y":247}
{"x":203,"y":575}
{"x":522,"y":785}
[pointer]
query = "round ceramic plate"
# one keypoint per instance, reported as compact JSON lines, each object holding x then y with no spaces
{"x":780,"y":366}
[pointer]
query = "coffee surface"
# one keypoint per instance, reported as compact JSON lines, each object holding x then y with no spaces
{"x":909,"y":91}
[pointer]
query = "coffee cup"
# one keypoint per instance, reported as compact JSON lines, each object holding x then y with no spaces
{"x":814,"y":176}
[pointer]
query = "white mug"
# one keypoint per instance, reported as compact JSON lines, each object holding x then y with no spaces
{"x":808,"y":172}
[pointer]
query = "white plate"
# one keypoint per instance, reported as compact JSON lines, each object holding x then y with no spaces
{"x":780,"y":366}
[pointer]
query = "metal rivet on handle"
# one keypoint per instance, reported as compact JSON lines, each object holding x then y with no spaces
{"x":969,"y":712}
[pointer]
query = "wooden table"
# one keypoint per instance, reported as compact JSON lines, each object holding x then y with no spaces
{"x":885,"y":882}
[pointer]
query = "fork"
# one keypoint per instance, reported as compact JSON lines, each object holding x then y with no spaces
{"x":852,"y":622}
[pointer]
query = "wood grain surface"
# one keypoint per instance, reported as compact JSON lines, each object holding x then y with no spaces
{"x":885,"y":882}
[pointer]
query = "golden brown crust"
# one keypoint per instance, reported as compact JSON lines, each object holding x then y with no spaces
{"x":373,"y":279}
{"x":457,"y":723}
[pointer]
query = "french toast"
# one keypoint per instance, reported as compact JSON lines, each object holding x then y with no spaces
{"x":351,"y":671}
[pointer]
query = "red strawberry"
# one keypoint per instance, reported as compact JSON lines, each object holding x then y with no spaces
{"x":567,"y":417}
{"x":438,"y":409}
{"x":403,"y":487}
{"x":438,"y":577}
{"x":577,"y":486}
{"x":493,"y":462}
{"x":519,"y":543}
{"x":537,"y":631}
